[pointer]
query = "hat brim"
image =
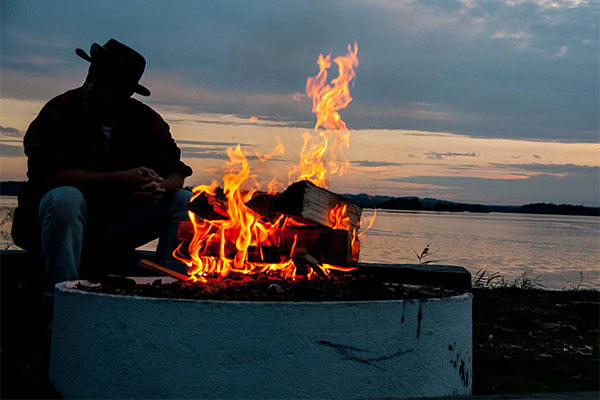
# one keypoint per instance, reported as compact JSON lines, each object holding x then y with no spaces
{"x":141,"y":90}
{"x":83,"y":55}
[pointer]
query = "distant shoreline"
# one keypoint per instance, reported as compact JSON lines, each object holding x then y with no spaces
{"x":412,"y":203}
{"x":428,"y":204}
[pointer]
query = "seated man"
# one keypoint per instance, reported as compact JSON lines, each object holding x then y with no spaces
{"x":105,"y":175}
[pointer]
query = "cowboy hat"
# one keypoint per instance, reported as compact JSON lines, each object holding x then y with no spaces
{"x":123,"y":64}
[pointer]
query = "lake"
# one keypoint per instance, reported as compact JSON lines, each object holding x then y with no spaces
{"x":554,"y":250}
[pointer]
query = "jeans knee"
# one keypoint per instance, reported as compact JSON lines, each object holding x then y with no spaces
{"x":182,"y":196}
{"x":179,"y":201}
{"x":63,"y":202}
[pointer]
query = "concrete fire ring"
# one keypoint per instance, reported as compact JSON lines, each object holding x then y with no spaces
{"x":109,"y":346}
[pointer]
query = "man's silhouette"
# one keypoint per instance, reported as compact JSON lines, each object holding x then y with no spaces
{"x":105,"y":175}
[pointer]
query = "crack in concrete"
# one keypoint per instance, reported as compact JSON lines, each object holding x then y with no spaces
{"x":419,"y":319}
{"x":345,"y":352}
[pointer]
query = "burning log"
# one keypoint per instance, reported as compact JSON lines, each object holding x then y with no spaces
{"x":305,"y":199}
{"x":324,"y":225}
{"x":328,"y":246}
{"x":208,"y":207}
{"x":159,"y":268}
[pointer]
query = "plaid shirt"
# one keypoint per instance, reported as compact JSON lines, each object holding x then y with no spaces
{"x":67,"y":134}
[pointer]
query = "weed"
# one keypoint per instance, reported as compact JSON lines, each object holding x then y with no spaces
{"x":424,"y":254}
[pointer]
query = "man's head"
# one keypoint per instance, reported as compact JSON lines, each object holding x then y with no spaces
{"x":115,"y":70}
{"x":116,"y":65}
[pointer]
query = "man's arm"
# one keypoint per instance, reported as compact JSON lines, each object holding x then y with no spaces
{"x":132,"y":179}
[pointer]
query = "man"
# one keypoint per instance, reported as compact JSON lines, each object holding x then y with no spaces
{"x":105,"y":175}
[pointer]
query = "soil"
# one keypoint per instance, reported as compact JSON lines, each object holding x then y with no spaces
{"x":264,"y":288}
{"x":527,"y":340}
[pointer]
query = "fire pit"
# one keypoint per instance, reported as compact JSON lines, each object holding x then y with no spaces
{"x":128,"y":346}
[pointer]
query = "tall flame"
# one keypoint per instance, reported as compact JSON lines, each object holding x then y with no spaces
{"x":323,"y":151}
{"x":235,"y":242}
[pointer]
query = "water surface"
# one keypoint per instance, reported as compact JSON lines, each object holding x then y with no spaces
{"x":559,"y":251}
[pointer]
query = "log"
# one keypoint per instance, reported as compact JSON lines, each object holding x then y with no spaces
{"x":208,"y":207}
{"x":329,"y":246}
{"x":159,"y":268}
{"x":305,"y":199}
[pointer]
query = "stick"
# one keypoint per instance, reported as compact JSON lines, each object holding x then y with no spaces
{"x":155,"y":267}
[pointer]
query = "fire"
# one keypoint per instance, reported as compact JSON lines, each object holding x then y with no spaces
{"x":338,"y":218}
{"x":236,"y":241}
{"x":323,"y":152}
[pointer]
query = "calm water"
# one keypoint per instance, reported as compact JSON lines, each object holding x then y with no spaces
{"x":559,"y":250}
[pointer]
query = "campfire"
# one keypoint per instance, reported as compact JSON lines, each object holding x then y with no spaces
{"x":304,"y":232}
{"x":280,"y":300}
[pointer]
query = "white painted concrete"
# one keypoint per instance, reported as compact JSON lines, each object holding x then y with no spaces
{"x":106,"y":346}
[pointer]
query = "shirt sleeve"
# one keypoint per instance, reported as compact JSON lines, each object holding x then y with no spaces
{"x":168,"y":153}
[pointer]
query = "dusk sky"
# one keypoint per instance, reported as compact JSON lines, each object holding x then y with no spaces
{"x":475,"y":101}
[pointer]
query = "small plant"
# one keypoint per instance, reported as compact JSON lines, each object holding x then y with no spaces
{"x":526,"y":281}
{"x":577,"y":287}
{"x":424,"y":254}
{"x":484,"y":280}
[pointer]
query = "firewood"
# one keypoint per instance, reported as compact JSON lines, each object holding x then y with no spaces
{"x":305,"y":199}
{"x":155,"y":267}
{"x":329,"y":246}
{"x":208,"y":207}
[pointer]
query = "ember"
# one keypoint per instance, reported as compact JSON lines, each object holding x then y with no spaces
{"x":307,"y":230}
{"x":267,"y":288}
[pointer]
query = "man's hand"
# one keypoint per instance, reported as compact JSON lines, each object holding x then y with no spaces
{"x":139,"y":177}
{"x":156,"y":189}
{"x":151,"y":191}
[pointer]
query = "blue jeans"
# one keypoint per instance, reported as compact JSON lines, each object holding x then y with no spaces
{"x":68,"y":225}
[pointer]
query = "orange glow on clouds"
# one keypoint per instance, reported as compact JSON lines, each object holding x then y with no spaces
{"x":513,"y":177}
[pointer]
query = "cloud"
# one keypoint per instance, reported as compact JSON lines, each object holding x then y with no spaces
{"x":436,"y":65}
{"x":45,"y":42}
{"x":216,"y":150}
{"x":439,"y":156}
{"x":9,"y":131}
{"x":554,"y":169}
{"x":7,"y":150}
{"x":198,"y":152}
{"x":575,"y":189}
{"x":549,"y":4}
{"x":36,"y":61}
{"x":208,"y":143}
{"x":374,"y":164}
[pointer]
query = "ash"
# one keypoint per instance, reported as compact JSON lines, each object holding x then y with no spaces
{"x":267,"y":288}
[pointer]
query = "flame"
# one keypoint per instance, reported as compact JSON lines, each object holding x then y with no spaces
{"x":323,"y":151}
{"x":338,"y":218}
{"x":235,"y":242}
{"x":222,"y":246}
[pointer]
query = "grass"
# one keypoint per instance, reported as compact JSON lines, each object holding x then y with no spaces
{"x":485,"y":280}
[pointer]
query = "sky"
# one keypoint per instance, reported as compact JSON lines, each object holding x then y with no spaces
{"x":494,"y":101}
